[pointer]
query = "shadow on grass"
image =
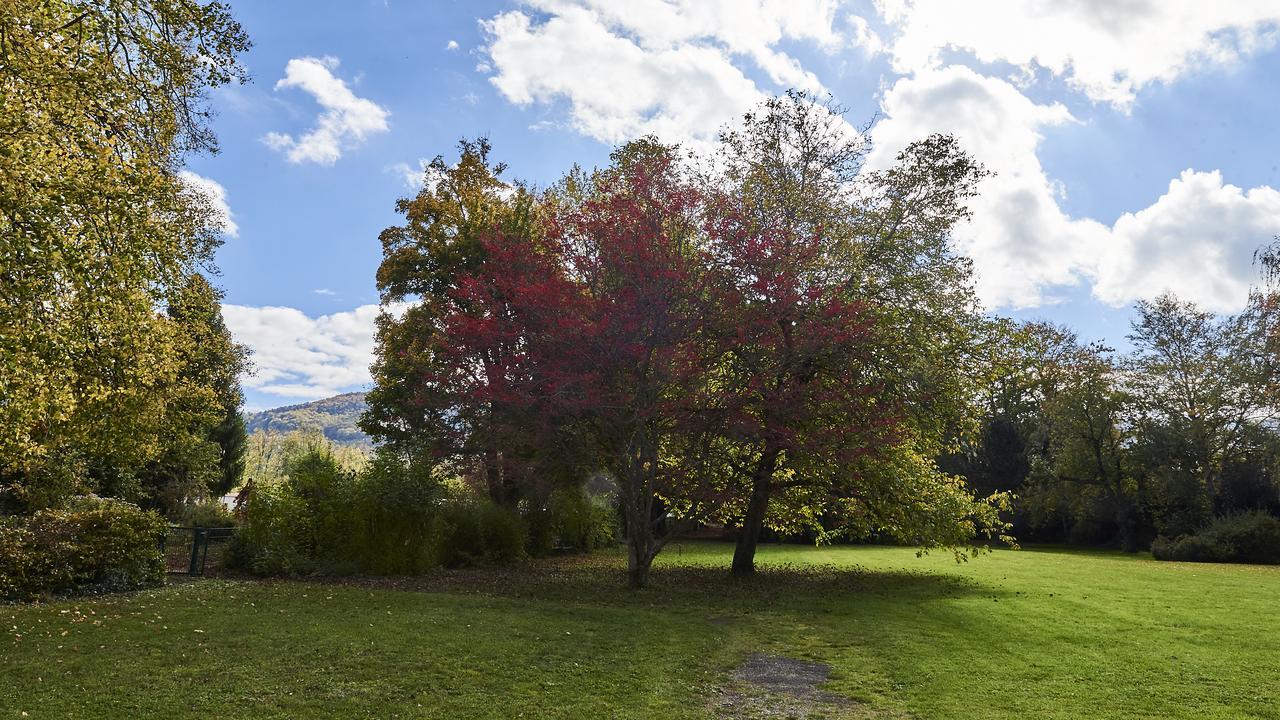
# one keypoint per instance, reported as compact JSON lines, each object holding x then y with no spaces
{"x":601,"y":579}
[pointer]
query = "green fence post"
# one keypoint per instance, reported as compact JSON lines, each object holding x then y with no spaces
{"x":196,"y":534}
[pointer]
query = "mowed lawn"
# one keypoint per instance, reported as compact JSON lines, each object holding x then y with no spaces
{"x":1034,"y":633}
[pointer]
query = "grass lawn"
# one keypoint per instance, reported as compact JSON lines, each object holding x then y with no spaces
{"x":1036,"y":633}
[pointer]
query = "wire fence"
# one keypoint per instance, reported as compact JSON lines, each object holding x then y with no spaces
{"x":193,"y":550}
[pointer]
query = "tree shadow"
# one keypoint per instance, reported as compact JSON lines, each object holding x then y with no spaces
{"x":600,"y":579}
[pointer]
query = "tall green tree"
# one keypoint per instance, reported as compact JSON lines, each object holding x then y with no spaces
{"x":232,"y":437}
{"x":1200,"y":384}
{"x":102,"y":99}
{"x":1090,"y":433}
{"x":202,"y":431}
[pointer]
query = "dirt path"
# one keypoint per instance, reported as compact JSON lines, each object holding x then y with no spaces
{"x":765,"y":687}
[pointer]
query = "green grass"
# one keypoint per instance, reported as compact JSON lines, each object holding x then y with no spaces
{"x":1017,"y":634}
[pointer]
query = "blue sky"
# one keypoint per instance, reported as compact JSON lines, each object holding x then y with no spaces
{"x":1134,"y":143}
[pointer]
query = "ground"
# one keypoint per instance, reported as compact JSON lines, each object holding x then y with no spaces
{"x":859,"y":632}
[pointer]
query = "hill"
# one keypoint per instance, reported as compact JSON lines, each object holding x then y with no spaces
{"x":336,"y":417}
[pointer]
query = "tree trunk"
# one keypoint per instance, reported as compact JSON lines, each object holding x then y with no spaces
{"x":1125,"y":522}
{"x":639,"y":543}
{"x":639,"y":560}
{"x":744,"y":554}
{"x":493,"y":473}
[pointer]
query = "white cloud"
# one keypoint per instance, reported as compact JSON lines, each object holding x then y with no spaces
{"x":295,"y":355}
{"x":863,"y":36}
{"x":1019,"y":239}
{"x":216,"y":195}
{"x":453,"y":45}
{"x":324,"y":291}
{"x":674,"y":66}
{"x":1196,"y":240}
{"x":414,"y":177}
{"x":683,"y":68}
{"x":1108,"y":49}
{"x":346,"y":121}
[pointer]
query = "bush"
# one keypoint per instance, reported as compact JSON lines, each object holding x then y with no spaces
{"x":1250,"y":537}
{"x":209,"y":513}
{"x":90,"y":545}
{"x":327,"y":488}
{"x":476,"y":532}
{"x":275,"y":537}
{"x":1191,"y":548}
{"x":1253,"y":536}
{"x":572,"y":520}
{"x":583,"y":522}
{"x":393,"y":531}
{"x":389,"y":519}
{"x":1162,"y":548}
{"x":393,"y":518}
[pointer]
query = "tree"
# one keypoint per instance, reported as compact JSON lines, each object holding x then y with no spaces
{"x":232,"y":438}
{"x":1200,"y":384}
{"x":201,"y":449}
{"x":852,"y":322}
{"x":102,"y":101}
{"x":413,"y":409}
{"x":214,"y":362}
{"x":601,"y":322}
{"x":1090,"y":434}
{"x":644,"y":368}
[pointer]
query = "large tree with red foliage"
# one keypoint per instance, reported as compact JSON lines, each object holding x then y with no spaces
{"x":599,"y":339}
{"x":753,"y":346}
{"x":428,"y":402}
{"x":805,"y":405}
{"x":852,"y":324}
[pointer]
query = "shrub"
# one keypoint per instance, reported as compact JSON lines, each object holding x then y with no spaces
{"x":477,"y":532}
{"x":209,"y":513}
{"x":1249,"y":537}
{"x":89,"y":545}
{"x":276,"y":536}
{"x":397,"y":518}
{"x":1253,"y":536}
{"x":319,"y":479}
{"x":1191,"y":548}
{"x":584,"y":522}
{"x":572,"y":520}
{"x":1162,"y":548}
{"x":393,"y":532}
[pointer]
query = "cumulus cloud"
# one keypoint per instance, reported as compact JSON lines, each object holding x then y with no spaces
{"x":346,"y":119}
{"x":216,"y":196}
{"x":1020,"y":240}
{"x":295,"y":355}
{"x":681,"y":69}
{"x":1197,"y":240}
{"x":675,"y":67}
{"x":1108,"y":49}
{"x":414,"y":177}
{"x":453,"y":45}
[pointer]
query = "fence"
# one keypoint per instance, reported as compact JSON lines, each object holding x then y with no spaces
{"x":187,"y":549}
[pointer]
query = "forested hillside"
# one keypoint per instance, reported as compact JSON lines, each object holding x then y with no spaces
{"x":336,"y":417}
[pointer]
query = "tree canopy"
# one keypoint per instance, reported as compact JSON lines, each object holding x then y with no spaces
{"x":776,"y":338}
{"x":98,"y":230}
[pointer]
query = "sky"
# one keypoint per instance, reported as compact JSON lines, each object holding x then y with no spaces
{"x":1132,"y":142}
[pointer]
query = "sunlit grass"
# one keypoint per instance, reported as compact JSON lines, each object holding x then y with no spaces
{"x":1017,"y":634}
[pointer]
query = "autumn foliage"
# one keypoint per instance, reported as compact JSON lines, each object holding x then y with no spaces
{"x":708,"y":355}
